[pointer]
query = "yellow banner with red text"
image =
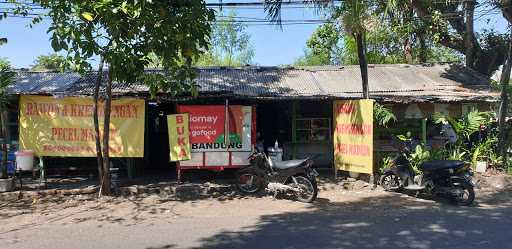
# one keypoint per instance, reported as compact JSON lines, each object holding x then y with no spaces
{"x":179,"y":142}
{"x":353,"y":135}
{"x":64,"y":126}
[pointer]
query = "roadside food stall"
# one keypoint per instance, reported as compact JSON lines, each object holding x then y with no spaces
{"x":209,"y":147}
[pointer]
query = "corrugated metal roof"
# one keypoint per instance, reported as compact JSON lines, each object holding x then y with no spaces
{"x":398,"y":83}
{"x":42,"y":83}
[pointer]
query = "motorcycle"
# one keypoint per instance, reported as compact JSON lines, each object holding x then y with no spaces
{"x":449,"y":178}
{"x":294,"y":176}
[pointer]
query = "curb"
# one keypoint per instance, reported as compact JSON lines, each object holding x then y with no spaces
{"x":182,"y":191}
{"x":18,"y":195}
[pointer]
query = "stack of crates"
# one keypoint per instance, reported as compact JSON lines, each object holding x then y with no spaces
{"x":11,"y":162}
{"x":11,"y":159}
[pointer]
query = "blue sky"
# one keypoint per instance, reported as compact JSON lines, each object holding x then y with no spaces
{"x":273,"y":46}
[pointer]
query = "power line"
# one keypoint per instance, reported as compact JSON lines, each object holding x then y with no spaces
{"x":252,"y":20}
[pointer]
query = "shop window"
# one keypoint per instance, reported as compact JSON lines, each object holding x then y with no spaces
{"x":313,"y":129}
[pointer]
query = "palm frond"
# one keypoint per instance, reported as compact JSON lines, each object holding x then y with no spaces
{"x":273,"y":7}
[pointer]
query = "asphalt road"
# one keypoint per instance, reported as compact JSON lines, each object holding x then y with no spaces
{"x":339,"y":219}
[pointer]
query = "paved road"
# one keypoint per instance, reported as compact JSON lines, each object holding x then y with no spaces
{"x":339,"y":219}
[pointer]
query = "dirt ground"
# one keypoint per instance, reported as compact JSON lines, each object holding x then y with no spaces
{"x":35,"y":215}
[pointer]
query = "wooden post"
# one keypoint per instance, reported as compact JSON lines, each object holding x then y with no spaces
{"x":131,"y":168}
{"x":178,"y":172}
{"x":424,"y":131}
{"x":294,"y":129}
{"x":226,"y":123}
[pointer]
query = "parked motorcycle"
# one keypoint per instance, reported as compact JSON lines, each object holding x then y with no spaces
{"x":449,"y":178}
{"x":296,"y":177}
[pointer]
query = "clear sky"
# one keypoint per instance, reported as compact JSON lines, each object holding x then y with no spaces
{"x":273,"y":46}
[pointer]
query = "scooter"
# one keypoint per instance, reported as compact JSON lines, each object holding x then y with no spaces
{"x":449,"y":178}
{"x":294,"y":176}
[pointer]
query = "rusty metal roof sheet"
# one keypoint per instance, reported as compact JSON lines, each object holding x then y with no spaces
{"x":42,"y":83}
{"x":397,"y":83}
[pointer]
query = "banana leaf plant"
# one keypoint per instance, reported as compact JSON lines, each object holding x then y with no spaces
{"x":465,"y":126}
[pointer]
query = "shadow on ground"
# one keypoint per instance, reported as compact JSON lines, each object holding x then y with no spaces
{"x":393,"y":221}
{"x":380,"y":221}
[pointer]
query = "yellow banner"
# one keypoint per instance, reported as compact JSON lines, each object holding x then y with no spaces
{"x":64,"y":126}
{"x":353,"y":135}
{"x":179,"y":142}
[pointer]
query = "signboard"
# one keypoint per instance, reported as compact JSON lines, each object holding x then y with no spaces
{"x":353,"y":135}
{"x":207,"y":124}
{"x":64,"y":126}
{"x":179,"y":142}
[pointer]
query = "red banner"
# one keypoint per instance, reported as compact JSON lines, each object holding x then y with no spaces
{"x":207,"y":124}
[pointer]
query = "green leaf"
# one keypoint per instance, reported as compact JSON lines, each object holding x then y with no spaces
{"x":87,"y":16}
{"x":403,"y":137}
{"x":123,"y":7}
{"x":55,"y":45}
{"x":194,"y":91}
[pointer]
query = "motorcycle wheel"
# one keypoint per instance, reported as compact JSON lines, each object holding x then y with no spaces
{"x":308,"y":189}
{"x":390,"y":182}
{"x":248,"y":182}
{"x":465,"y":194}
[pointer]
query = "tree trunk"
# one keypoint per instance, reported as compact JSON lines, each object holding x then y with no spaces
{"x":105,"y":185}
{"x":506,"y":11}
{"x":99,"y":155}
{"x":504,"y":82}
{"x":363,"y":65}
{"x":469,"y":35}
{"x":408,"y":51}
{"x":423,"y":48}
{"x":485,"y":61}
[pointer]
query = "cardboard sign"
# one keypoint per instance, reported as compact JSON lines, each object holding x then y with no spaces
{"x":207,"y":124}
{"x":64,"y":126}
{"x":353,"y":135}
{"x":179,"y":142}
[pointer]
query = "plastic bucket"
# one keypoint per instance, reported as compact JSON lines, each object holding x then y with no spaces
{"x":25,"y":160}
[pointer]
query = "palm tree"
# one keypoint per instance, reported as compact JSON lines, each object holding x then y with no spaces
{"x":355,"y":16}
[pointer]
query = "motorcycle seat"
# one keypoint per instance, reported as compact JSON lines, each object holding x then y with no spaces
{"x":441,"y":164}
{"x":287,"y":164}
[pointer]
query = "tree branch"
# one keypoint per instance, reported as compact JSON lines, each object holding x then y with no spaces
{"x":506,"y":9}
